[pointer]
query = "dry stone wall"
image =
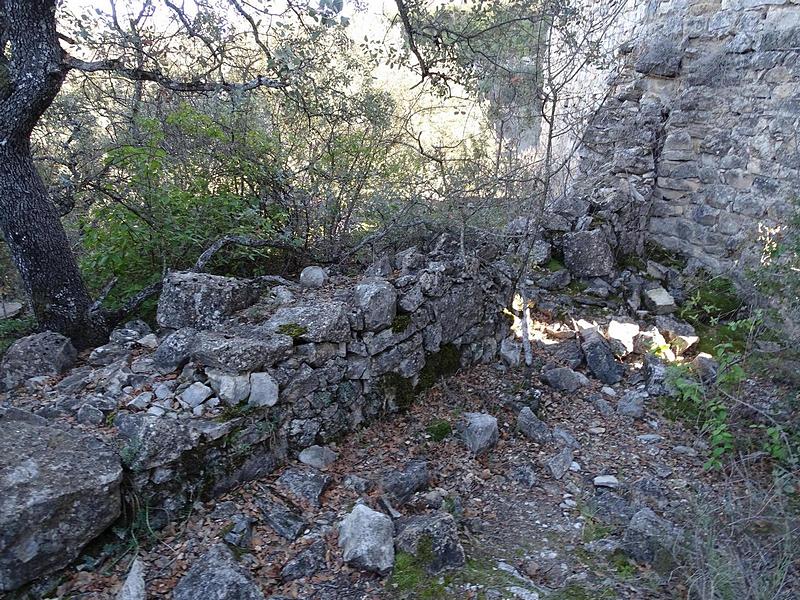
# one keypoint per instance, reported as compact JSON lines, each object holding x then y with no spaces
{"x":696,"y":145}
{"x":242,"y":375}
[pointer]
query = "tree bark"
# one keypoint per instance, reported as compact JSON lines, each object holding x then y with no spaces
{"x":34,"y":72}
{"x":41,"y":251}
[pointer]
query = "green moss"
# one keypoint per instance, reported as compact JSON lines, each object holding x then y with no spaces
{"x":622,"y":564}
{"x":439,"y":364}
{"x":573,"y":591}
{"x":401,"y":323}
{"x":400,"y":388}
{"x":713,"y":298}
{"x":663,"y":256}
{"x":293,"y":330}
{"x":633,"y":262}
{"x":229,"y":413}
{"x":439,"y":429}
{"x":554,"y":265}
{"x":410,"y":579}
{"x":713,"y":335}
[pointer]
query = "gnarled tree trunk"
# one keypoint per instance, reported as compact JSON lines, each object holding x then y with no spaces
{"x":31,"y":74}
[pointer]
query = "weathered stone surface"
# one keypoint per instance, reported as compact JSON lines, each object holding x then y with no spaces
{"x":377,"y":299}
{"x":564,"y":379}
{"x":587,"y":254}
{"x":236,"y":354}
{"x":366,"y":539}
{"x":661,"y":58}
{"x":305,"y":485}
{"x":706,"y":368}
{"x":263,"y":390}
{"x":632,"y":404}
{"x":433,"y":539}
{"x":558,"y":464}
{"x":319,"y":322}
{"x":175,"y":350}
{"x":318,"y":457}
{"x":599,"y":358}
{"x":196,"y":394}
{"x":201,"y":300}
{"x":401,"y":484}
{"x":307,"y":562}
{"x":647,"y":536}
{"x":680,"y":335}
{"x":59,"y":489}
{"x":479,"y":432}
{"x":217,"y":576}
{"x":659,"y":301}
{"x":313,"y":277}
{"x":532,"y":427}
{"x":134,"y":587}
{"x":151,"y":441}
{"x":46,"y":353}
{"x":231,"y":389}
{"x":286,"y":522}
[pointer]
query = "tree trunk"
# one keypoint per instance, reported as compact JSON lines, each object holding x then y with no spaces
{"x":32,"y":73}
{"x":41,"y":251}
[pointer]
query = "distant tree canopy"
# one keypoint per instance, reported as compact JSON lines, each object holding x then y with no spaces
{"x":135,"y":134}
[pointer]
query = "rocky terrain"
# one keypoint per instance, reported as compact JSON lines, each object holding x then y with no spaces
{"x":311,"y":440}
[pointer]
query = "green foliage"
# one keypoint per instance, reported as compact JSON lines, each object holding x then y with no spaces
{"x":13,"y":329}
{"x":713,"y":299}
{"x":410,"y":579}
{"x":439,"y":429}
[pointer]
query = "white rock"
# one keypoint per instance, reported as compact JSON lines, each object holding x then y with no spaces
{"x":318,"y":457}
{"x":196,"y":394}
{"x":367,"y":540}
{"x":313,"y":277}
{"x":659,"y":302}
{"x":607,"y":481}
{"x":263,"y":390}
{"x":133,"y":588}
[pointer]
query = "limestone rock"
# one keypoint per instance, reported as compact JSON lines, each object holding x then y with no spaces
{"x":305,"y":485}
{"x":564,"y":379}
{"x":647,"y":537}
{"x":313,"y":277}
{"x":624,"y":332}
{"x":318,"y":457}
{"x":196,"y":394}
{"x":439,"y":536}
{"x":231,"y":389}
{"x":559,"y":464}
{"x":679,"y":334}
{"x":151,"y":441}
{"x":201,"y":300}
{"x":661,"y":58}
{"x":217,"y":576}
{"x":133,"y":588}
{"x":263,"y":390}
{"x":366,"y":539}
{"x":587,"y":254}
{"x":59,"y":489}
{"x":319,"y":322}
{"x":377,"y":298}
{"x":234,"y":353}
{"x":307,"y":562}
{"x":480,"y":432}
{"x":285,"y":521}
{"x":401,"y":484}
{"x":599,"y":358}
{"x":659,"y":302}
{"x":46,"y":353}
{"x":532,"y":427}
{"x":631,"y":404}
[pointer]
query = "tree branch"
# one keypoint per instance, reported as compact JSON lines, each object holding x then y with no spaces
{"x":115,"y":65}
{"x":239,"y":240}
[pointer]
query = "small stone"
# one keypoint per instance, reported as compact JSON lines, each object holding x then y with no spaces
{"x":608,"y":391}
{"x":606,"y":481}
{"x":631,"y":404}
{"x":313,"y":277}
{"x":442,"y":550}
{"x":150,"y":341}
{"x":304,"y":484}
{"x":263,"y":390}
{"x":532,"y":427}
{"x":89,"y":415}
{"x":367,"y":540}
{"x":480,"y":432}
{"x":565,"y":379}
{"x":217,"y":574}
{"x":164,"y":391}
{"x":401,"y":484}
{"x":685,"y":451}
{"x":558,"y":465}
{"x":133,"y":588}
{"x":306,"y":563}
{"x":141,"y":401}
{"x":286,"y":522}
{"x":231,"y":389}
{"x":318,"y":457}
{"x":659,"y":301}
{"x":196,"y":394}
{"x":649,"y":438}
{"x":156,"y":411}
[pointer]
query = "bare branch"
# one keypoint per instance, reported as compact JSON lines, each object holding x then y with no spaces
{"x":240,"y":240}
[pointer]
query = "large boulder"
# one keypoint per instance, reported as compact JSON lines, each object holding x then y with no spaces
{"x":366,"y":539}
{"x":587,"y":254}
{"x":313,"y":277}
{"x":46,"y":353}
{"x":565,"y":379}
{"x":239,"y":353}
{"x":532,"y":427}
{"x":217,"y":576}
{"x":200,"y":300}
{"x":59,"y":489}
{"x":377,"y":299}
{"x":661,"y":57}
